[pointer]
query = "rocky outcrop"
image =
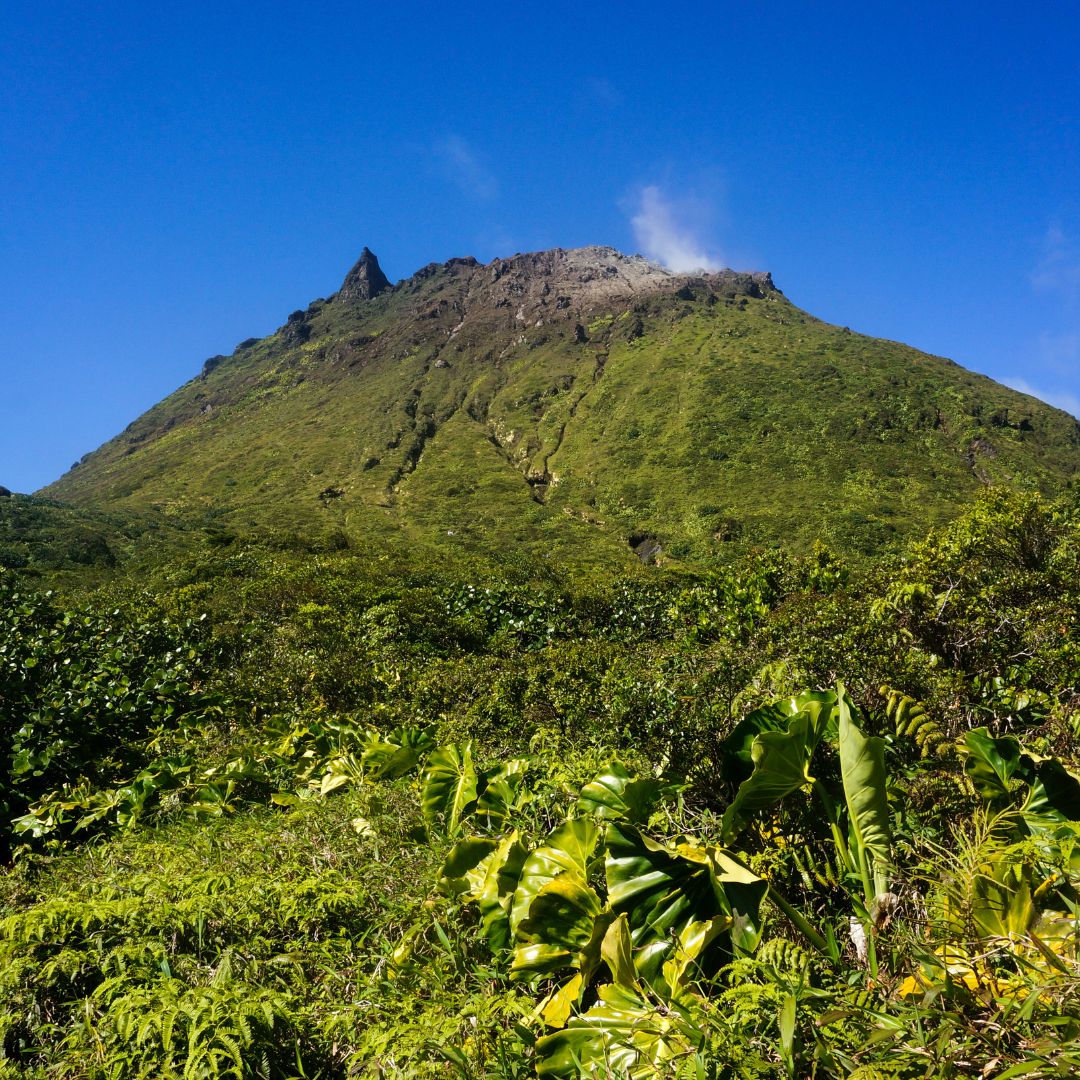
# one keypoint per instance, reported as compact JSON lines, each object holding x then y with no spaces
{"x":364,"y":281}
{"x":297,"y":330}
{"x":5,"y":493}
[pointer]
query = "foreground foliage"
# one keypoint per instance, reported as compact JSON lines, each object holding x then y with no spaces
{"x":348,"y":824}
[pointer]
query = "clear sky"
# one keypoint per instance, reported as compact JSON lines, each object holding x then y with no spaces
{"x":175,"y":178}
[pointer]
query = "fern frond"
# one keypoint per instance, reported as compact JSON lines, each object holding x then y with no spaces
{"x":910,"y":721}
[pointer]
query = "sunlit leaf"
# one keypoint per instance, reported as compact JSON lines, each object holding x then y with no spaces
{"x":448,"y":791}
{"x":570,"y":847}
{"x":862,"y":767}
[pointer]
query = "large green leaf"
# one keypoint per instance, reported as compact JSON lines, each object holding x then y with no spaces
{"x":862,"y":767}
{"x":682,"y":967}
{"x":448,"y":793}
{"x":992,"y":764}
{"x":664,"y":889}
{"x":781,"y":766}
{"x":565,"y":929}
{"x":660,"y":889}
{"x":397,"y":754}
{"x":1053,"y":796}
{"x":616,"y":794}
{"x":737,"y":749}
{"x":1002,"y":904}
{"x":569,"y":848}
{"x":463,"y":858}
{"x":617,"y":950}
{"x":494,"y":882}
{"x":486,"y":871}
{"x":669,"y":966}
{"x":622,"y":1035}
{"x":1000,"y":767}
{"x":500,"y":792}
{"x":558,"y":1006}
{"x":741,"y":893}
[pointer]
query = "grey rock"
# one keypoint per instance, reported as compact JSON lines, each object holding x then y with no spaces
{"x":364,"y":281}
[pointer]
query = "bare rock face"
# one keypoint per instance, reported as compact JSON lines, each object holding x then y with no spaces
{"x":364,"y":280}
{"x":583,"y":277}
{"x":538,"y":288}
{"x":579,"y":278}
{"x":297,"y":330}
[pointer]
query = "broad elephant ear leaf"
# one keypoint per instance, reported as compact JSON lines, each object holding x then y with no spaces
{"x":568,"y":849}
{"x":862,"y":768}
{"x":741,"y":893}
{"x":486,"y":870}
{"x":663,"y":890}
{"x":1053,"y":797}
{"x":616,"y":794}
{"x":566,"y":926}
{"x":559,"y":1005}
{"x":565,"y":929}
{"x":781,"y":766}
{"x":500,"y":792}
{"x":683,"y":968}
{"x":464,"y":857}
{"x":669,"y":966}
{"x":491,"y":882}
{"x":621,"y":1035}
{"x":449,"y":788}
{"x":992,"y":764}
{"x":399,"y":753}
{"x":736,"y":751}
{"x":659,"y":889}
{"x":1002,"y":904}
{"x":998,"y":767}
{"x":617,"y":950}
{"x":414,"y":736}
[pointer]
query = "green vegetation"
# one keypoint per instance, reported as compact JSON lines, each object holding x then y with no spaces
{"x":281,"y":813}
{"x":555,"y":668}
{"x":43,"y":539}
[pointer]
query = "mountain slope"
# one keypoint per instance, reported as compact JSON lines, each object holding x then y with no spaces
{"x":580,"y":402}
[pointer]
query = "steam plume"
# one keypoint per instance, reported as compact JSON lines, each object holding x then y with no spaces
{"x":664,"y":239}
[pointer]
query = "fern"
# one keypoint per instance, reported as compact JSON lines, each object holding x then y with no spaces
{"x":785,"y":956}
{"x":910,"y":722}
{"x":815,"y":864}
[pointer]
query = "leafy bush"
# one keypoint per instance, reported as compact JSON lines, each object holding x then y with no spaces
{"x":85,"y":697}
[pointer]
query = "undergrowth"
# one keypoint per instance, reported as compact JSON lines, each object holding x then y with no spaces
{"x":283,"y":817}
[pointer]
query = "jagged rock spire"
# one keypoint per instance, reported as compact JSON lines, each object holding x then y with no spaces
{"x":364,"y":280}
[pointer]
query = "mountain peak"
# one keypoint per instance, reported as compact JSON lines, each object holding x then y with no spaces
{"x":364,"y":280}
{"x":581,"y":278}
{"x":576,"y":398}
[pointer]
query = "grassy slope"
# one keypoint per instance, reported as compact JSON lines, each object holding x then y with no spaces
{"x":705,"y":422}
{"x":763,"y":418}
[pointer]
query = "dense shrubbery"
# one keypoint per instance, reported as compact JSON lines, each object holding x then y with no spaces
{"x":88,"y":697}
{"x":217,"y":935}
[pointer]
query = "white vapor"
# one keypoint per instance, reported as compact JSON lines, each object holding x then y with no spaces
{"x":464,"y":167}
{"x":664,"y":239}
{"x":1058,"y":269}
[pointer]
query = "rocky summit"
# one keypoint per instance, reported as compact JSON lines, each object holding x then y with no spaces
{"x":364,"y":281}
{"x":575,"y":404}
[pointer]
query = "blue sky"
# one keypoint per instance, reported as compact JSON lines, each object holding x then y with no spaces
{"x":174,"y":179}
